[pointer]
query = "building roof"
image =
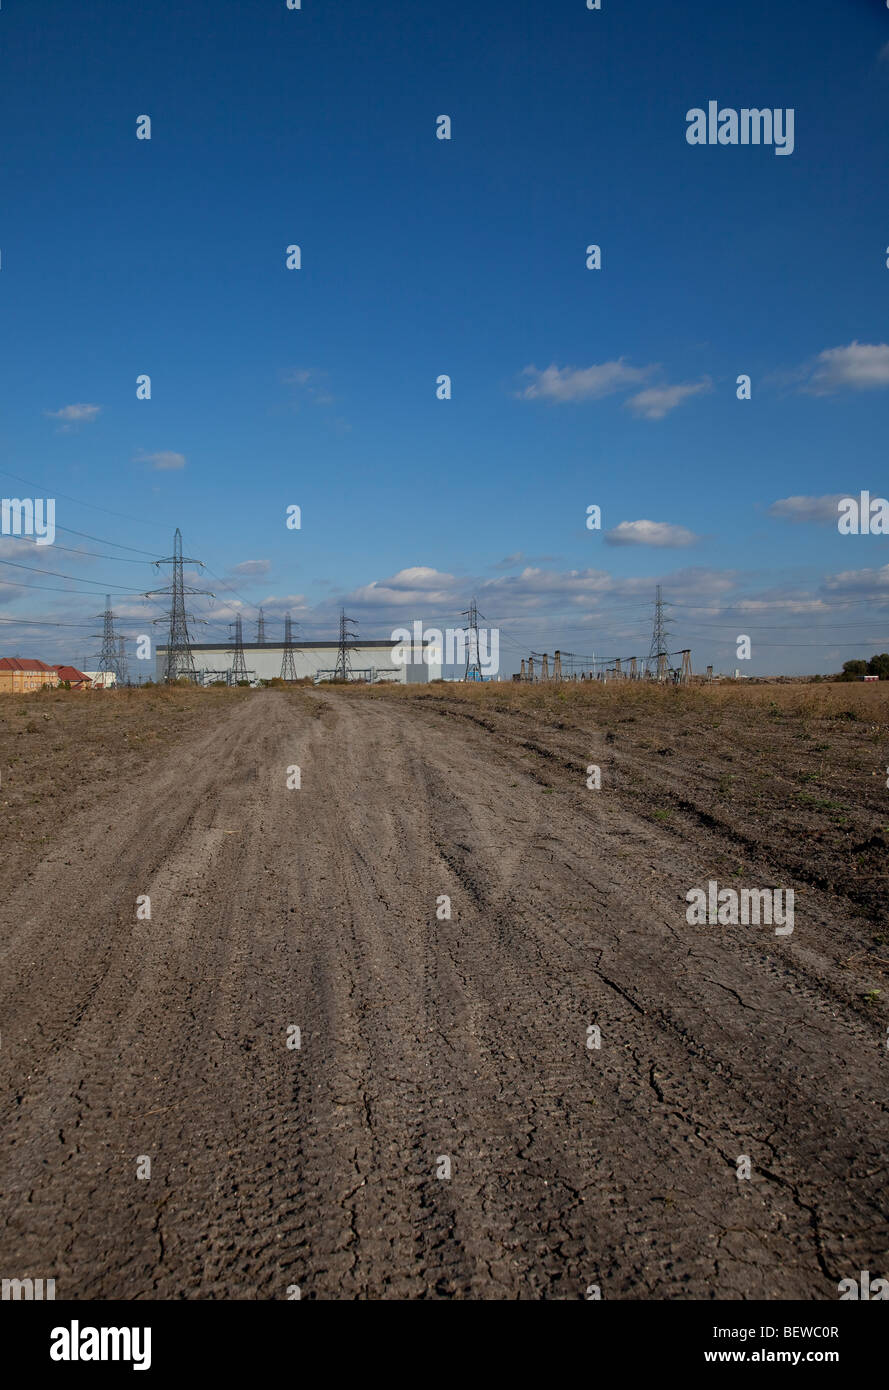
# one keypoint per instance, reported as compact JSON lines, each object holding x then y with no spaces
{"x":18,"y":663}
{"x":71,"y":673}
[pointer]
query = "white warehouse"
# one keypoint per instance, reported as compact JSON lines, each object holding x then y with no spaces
{"x":369,"y":660}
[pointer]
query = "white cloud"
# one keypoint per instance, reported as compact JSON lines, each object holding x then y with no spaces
{"x":807,"y":508}
{"x":753,"y":606}
{"x":570,"y":384}
{"x":658,"y":533}
{"x":563,"y":384}
{"x":251,"y":567}
{"x":70,"y":416}
{"x":535,"y":586}
{"x":164,"y":459}
{"x":423,"y":592}
{"x":857,"y":367}
{"x":276,"y":605}
{"x":874,"y":582}
{"x":309,"y":383}
{"x":416,"y":585}
{"x":539,"y":608}
{"x":657,"y":401}
{"x":518,"y":557}
{"x":9,"y":593}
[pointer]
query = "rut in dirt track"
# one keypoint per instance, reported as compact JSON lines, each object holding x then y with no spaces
{"x":421,"y":1039}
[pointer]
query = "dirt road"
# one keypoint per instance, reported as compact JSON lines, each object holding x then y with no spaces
{"x":425,"y":1042}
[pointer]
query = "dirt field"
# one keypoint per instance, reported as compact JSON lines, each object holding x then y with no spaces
{"x":425,"y":1039}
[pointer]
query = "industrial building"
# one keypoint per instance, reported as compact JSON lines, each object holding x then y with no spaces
{"x":369,"y":660}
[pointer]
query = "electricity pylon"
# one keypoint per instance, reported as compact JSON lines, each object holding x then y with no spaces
{"x":260,"y":629}
{"x":123,"y":671}
{"x":288,"y":670}
{"x":343,"y":669}
{"x":239,"y":665}
{"x":112,"y":661}
{"x":179,"y":662}
{"x":657,"y":653}
{"x":473,"y":670}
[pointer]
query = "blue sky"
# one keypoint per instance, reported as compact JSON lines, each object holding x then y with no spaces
{"x":571,"y":387}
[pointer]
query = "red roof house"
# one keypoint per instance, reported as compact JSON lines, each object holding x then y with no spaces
{"x":77,"y":679}
{"x":25,"y":673}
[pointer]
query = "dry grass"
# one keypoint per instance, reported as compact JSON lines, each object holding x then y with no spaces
{"x":825,"y":700}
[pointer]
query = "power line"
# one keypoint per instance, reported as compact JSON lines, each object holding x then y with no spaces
{"x":57,"y":574}
{"x":102,"y":541}
{"x":90,"y":506}
{"x":781,"y":603}
{"x":94,"y":554}
{"x":54,"y":589}
{"x":40,"y":622}
{"x":720,"y":644}
{"x":228,"y":588}
{"x":784,"y":627}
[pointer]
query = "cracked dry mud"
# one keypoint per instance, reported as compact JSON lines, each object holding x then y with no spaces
{"x":420,"y":1038}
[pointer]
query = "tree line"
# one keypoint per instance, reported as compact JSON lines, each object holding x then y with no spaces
{"x":877,"y":666}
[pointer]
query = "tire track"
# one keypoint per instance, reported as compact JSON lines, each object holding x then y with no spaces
{"x":420,"y":1037}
